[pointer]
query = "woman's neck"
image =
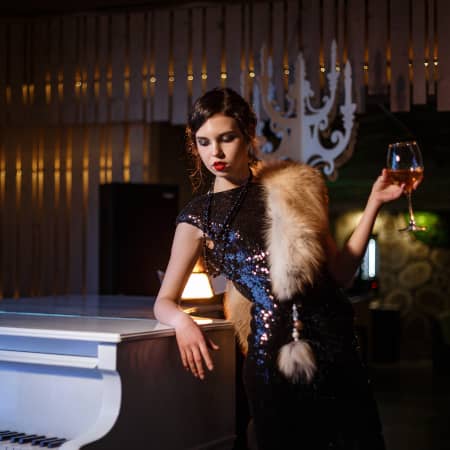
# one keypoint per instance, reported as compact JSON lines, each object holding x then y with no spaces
{"x":225,"y":184}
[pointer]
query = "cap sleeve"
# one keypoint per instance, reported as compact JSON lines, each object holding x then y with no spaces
{"x":192,"y":212}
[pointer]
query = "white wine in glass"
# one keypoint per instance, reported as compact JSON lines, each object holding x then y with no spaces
{"x":405,"y":166}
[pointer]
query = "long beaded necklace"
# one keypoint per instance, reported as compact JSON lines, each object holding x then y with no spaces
{"x":218,"y":238}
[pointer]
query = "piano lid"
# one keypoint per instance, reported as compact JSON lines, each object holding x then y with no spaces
{"x":92,"y":318}
{"x":136,"y":307}
{"x":101,"y":329}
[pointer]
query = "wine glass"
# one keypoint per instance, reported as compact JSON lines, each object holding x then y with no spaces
{"x":405,"y":166}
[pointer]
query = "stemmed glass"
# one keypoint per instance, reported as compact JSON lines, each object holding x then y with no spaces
{"x":405,"y":166}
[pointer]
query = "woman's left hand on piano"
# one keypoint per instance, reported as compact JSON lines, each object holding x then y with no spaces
{"x":193,"y":346}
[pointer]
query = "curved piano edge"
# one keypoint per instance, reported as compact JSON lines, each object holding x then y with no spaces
{"x":109,"y":412}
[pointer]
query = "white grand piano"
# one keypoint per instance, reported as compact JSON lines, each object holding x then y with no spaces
{"x":97,"y":373}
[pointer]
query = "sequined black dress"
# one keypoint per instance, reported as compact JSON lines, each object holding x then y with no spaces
{"x":337,"y":409}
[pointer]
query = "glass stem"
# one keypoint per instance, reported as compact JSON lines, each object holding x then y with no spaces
{"x":411,"y":213}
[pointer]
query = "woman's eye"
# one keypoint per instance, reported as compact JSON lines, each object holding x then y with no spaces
{"x":202,"y":142}
{"x":228,"y":137}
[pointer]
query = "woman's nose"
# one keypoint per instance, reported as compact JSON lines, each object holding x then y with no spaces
{"x":217,"y":149}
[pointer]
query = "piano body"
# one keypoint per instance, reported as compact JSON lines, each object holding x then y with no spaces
{"x":105,"y":382}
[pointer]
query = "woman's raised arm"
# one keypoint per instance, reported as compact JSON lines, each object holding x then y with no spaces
{"x":193,"y":347}
{"x":343,"y":263}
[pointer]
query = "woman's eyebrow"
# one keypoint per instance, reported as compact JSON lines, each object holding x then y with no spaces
{"x":217,"y":135}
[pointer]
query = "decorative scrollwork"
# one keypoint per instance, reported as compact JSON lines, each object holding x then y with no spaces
{"x":298,"y":129}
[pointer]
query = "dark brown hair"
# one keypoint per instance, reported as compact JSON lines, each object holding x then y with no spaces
{"x":218,"y":101}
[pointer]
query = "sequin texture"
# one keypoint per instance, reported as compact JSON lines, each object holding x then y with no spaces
{"x":338,"y":395}
{"x":245,"y":263}
{"x":242,"y":258}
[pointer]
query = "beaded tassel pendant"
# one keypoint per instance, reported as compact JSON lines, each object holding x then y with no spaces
{"x":296,"y":359}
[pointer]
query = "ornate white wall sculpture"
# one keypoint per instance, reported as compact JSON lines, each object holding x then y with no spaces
{"x":301,"y":127}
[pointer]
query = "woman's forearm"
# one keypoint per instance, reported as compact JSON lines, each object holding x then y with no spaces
{"x":344,"y":263}
{"x":168,"y":312}
{"x":347,"y":260}
{"x":355,"y":247}
{"x":186,"y":249}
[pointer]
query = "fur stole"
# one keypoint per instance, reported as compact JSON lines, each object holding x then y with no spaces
{"x":297,"y":215}
{"x":237,"y":310}
{"x":297,"y":223}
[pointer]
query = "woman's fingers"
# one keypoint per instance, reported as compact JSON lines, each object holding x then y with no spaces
{"x":200,"y":371}
{"x":191,"y":362}
{"x":184,"y":360}
{"x":193,"y":347}
{"x":212,"y":345}
{"x":416,"y":184}
{"x":194,"y":358}
{"x":206,"y":356}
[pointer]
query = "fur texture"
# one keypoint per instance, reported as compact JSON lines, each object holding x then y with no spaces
{"x":237,"y":310}
{"x":297,"y":222}
{"x":296,"y":198}
{"x":296,"y":361}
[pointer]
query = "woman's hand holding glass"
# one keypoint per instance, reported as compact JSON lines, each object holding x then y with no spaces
{"x":384,"y":191}
{"x":194,"y":347}
{"x":405,"y":168}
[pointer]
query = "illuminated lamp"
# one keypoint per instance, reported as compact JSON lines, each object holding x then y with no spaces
{"x":198,"y":286}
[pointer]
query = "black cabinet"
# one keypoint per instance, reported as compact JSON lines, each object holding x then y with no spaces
{"x":137,"y":222}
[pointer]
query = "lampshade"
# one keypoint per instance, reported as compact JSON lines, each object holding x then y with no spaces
{"x":198,"y":286}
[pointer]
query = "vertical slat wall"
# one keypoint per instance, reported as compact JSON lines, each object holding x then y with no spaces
{"x":400,"y":47}
{"x":79,"y":94}
{"x":356,"y":41}
{"x":378,"y":46}
{"x":443,"y":85}
{"x":431,"y":22}
{"x":161,"y":88}
{"x":9,"y":218}
{"x":49,"y":212}
{"x":92,"y":208}
{"x":198,"y":50}
{"x":213,"y":46}
{"x":54,"y":69}
{"x":310,"y":22}
{"x":233,"y":41}
{"x":3,"y":84}
{"x":418,"y":52}
{"x":328,"y":31}
{"x":276,"y":50}
{"x":3,"y":71}
{"x":16,"y":66}
{"x":25,"y":213}
{"x":180,"y":67}
{"x":70,"y":40}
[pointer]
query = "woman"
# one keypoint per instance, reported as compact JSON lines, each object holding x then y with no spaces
{"x":267,"y":232}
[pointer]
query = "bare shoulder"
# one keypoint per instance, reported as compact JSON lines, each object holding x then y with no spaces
{"x":185,"y":230}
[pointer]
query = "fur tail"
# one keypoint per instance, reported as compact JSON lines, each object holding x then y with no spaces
{"x":296,"y":361}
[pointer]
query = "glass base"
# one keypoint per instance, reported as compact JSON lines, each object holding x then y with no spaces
{"x":412,"y":226}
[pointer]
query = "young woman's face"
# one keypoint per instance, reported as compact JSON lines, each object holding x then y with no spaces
{"x":222,"y":147}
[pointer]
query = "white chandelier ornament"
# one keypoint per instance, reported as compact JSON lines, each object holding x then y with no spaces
{"x":301,"y":128}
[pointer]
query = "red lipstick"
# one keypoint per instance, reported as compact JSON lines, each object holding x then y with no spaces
{"x":219,"y":166}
